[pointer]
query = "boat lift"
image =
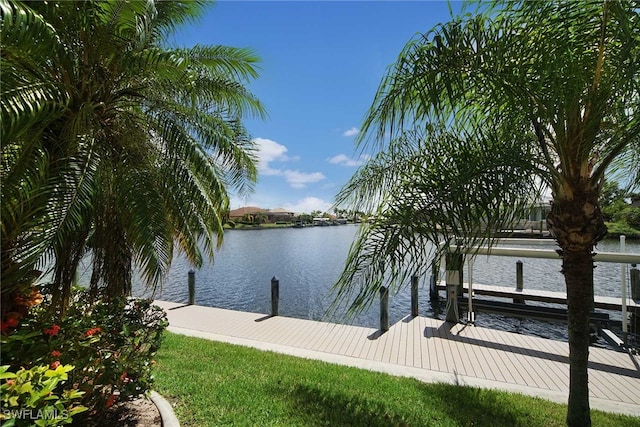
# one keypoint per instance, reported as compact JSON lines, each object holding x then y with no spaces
{"x":455,"y":288}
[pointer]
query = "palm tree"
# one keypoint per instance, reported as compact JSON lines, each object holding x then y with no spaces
{"x":260,"y":218}
{"x":114,"y":144}
{"x":474,"y":119}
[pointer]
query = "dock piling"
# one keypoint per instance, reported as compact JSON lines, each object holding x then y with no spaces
{"x":192,"y":286}
{"x":519,"y":281}
{"x":275,"y":295}
{"x":433,"y":285}
{"x":634,"y":278}
{"x":414,"y":296}
{"x":384,"y":309}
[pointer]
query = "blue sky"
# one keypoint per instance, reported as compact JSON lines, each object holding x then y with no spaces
{"x":322,"y":62}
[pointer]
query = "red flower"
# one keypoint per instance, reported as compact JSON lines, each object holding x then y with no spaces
{"x":92,"y":331}
{"x":110,"y":401}
{"x":5,"y":327}
{"x":52,"y":331}
{"x":11,"y":382}
{"x":56,"y":353}
{"x":55,"y":364}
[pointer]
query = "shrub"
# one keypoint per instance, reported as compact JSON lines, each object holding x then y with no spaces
{"x":614,"y":211}
{"x":632,"y":216}
{"x":29,"y":396}
{"x":110,"y":342}
{"x":616,"y":229}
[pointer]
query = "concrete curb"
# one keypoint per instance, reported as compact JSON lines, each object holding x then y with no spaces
{"x":169,"y":418}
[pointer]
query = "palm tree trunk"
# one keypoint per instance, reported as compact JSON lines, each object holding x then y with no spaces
{"x":577,"y":268}
{"x":577,"y":225}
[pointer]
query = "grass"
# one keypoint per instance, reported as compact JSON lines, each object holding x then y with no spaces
{"x":215,"y":384}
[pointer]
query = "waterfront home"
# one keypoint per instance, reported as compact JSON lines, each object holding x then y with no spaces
{"x":268,"y":215}
{"x":280,"y":215}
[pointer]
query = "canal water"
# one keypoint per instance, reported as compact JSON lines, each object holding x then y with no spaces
{"x":308,"y":261}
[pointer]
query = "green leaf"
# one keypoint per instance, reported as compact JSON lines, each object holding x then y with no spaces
{"x":77,"y":409}
{"x":25,"y":388}
{"x":7,"y":375}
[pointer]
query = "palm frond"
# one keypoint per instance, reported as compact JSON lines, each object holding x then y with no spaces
{"x":432,"y":187}
{"x":115,"y":145}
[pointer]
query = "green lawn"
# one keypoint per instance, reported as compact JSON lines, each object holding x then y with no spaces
{"x":215,"y":384}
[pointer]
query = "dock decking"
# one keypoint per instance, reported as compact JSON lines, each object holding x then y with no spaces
{"x":427,"y":349}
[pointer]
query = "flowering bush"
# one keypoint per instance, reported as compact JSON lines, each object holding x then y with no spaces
{"x":110,"y":342}
{"x":18,"y":306}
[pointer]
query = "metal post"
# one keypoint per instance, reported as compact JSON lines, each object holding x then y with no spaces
{"x":634,"y":278}
{"x":384,"y":309}
{"x":470,"y":314}
{"x":519,"y":281}
{"x":192,"y":286}
{"x":623,"y":273}
{"x":414,"y":296}
{"x":275,"y":295}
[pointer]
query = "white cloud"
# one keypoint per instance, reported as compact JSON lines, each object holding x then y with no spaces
{"x":270,"y":151}
{"x":344,"y":160}
{"x":336,"y":160}
{"x":308,"y":205}
{"x":299,"y":179}
{"x":351,"y":132}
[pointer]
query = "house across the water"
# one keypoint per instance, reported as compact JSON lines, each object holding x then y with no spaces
{"x":252,"y":213}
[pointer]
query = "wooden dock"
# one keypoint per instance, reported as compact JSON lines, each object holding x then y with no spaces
{"x":427,"y":349}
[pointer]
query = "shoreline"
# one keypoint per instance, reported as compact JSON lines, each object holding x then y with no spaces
{"x":521,"y":234}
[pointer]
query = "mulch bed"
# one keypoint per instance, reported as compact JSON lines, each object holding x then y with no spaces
{"x":140,"y":412}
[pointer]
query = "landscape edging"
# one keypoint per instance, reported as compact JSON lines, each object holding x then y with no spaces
{"x":169,"y":418}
